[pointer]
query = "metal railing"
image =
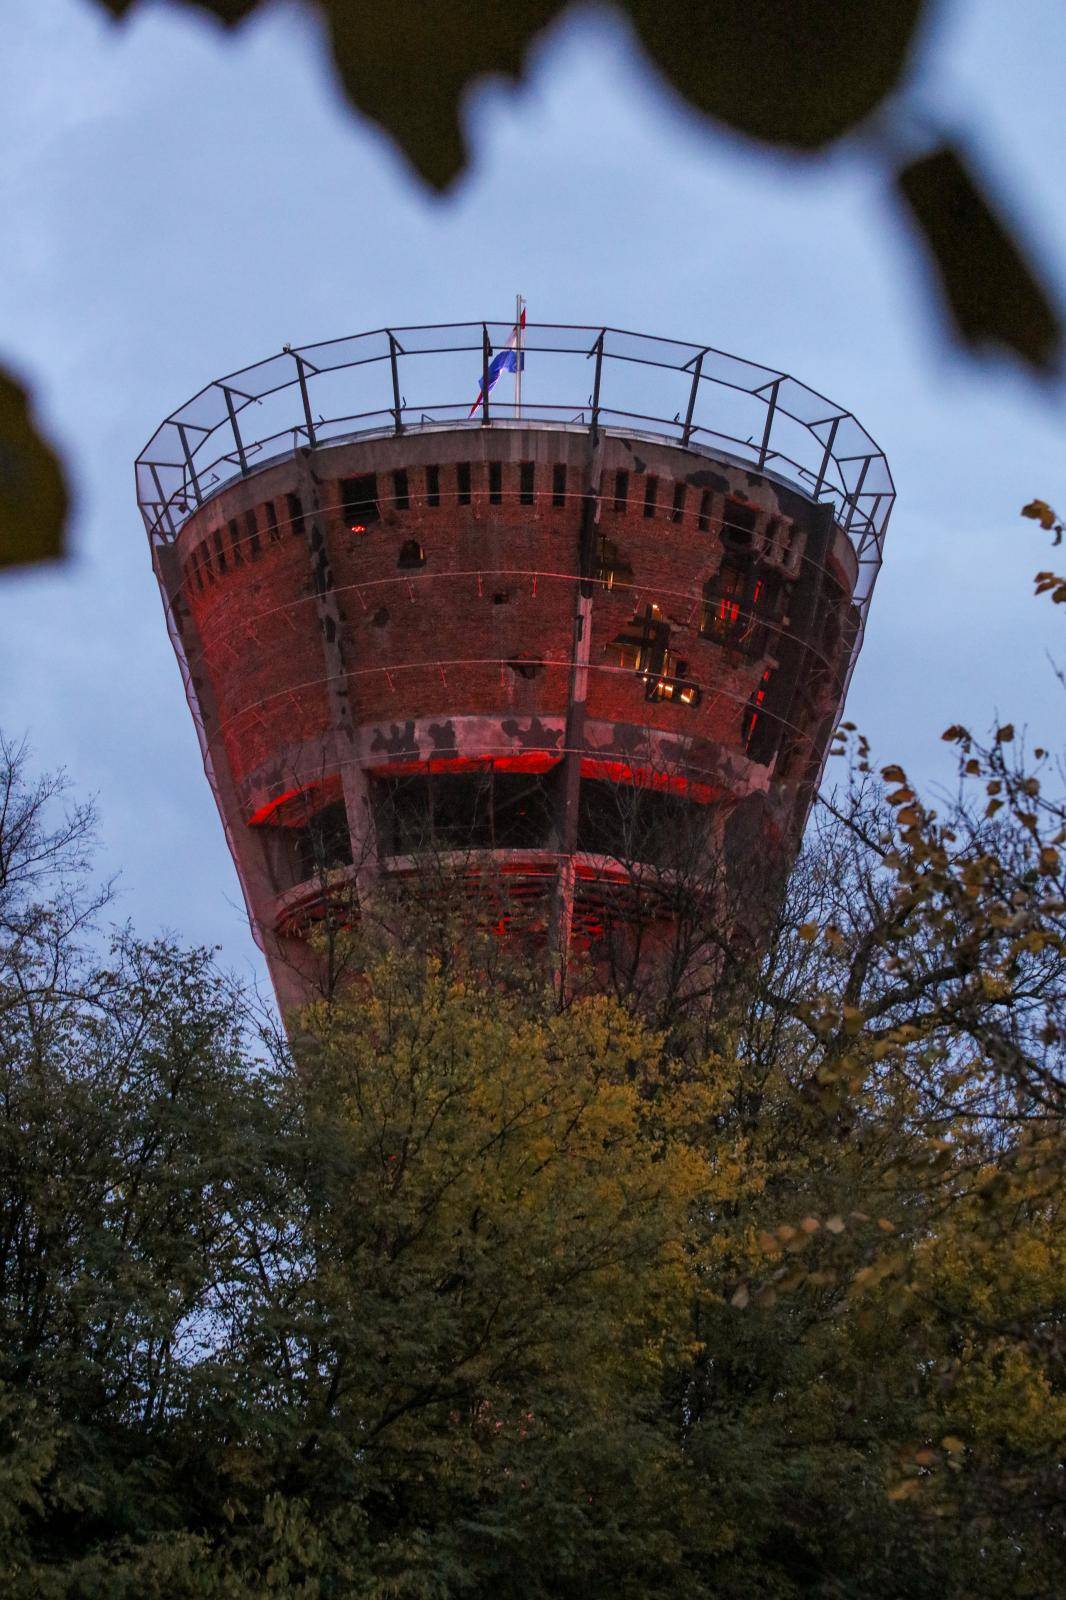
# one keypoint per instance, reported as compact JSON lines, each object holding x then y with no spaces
{"x":575,"y":377}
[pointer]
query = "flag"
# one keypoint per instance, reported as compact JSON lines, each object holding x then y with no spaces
{"x":505,"y":360}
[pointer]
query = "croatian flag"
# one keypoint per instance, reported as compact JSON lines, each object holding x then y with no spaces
{"x":505,"y":360}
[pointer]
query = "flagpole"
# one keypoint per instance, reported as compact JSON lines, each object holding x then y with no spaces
{"x":518,"y":352}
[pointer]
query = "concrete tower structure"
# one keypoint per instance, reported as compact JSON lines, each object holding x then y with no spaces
{"x":534,"y":643}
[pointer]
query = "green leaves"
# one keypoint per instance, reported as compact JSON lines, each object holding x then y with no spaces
{"x":33,"y":493}
{"x":991,"y":294}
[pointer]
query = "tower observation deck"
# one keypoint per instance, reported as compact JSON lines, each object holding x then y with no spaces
{"x":546,"y":647}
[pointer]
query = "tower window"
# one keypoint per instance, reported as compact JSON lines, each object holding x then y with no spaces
{"x":705,"y":512}
{"x":272,"y":522}
{"x":740,"y":603}
{"x":738,"y":523}
{"x":296,"y":513}
{"x":462,"y":482}
{"x":678,"y":510}
{"x":400,"y":494}
{"x":495,"y":483}
{"x":235,"y":542}
{"x":219,"y":550}
{"x":192,"y":570}
{"x":411,"y":554}
{"x":526,"y":666}
{"x":359,"y":502}
{"x":621,"y":490}
{"x":525,"y":483}
{"x":651,"y":494}
{"x":559,"y":484}
{"x":433,"y":486}
{"x":205,"y":562}
{"x":324,"y":843}
{"x":252,"y":529}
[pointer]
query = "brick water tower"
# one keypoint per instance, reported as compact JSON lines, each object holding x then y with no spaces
{"x":544,"y":641}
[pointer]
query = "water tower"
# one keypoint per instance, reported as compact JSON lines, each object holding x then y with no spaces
{"x":536,"y":639}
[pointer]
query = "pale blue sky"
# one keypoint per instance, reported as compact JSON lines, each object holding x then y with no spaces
{"x":179,"y":202}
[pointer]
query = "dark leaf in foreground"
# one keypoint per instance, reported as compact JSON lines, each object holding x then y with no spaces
{"x":990,"y":291}
{"x":33,"y":495}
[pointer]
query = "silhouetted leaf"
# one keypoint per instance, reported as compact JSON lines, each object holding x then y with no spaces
{"x":408,"y":65}
{"x":799,"y":74}
{"x":33,"y":495}
{"x":990,"y":290}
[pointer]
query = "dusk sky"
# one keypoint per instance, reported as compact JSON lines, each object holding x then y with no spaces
{"x":180,"y":202}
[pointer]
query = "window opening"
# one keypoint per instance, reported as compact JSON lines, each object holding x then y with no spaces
{"x":380,"y":617}
{"x":205,"y":561}
{"x":525,"y":483}
{"x":651,"y":494}
{"x":296,"y":513}
{"x":433,"y":486}
{"x":411,"y":554}
{"x":740,"y":605}
{"x":678,"y":509}
{"x":193,"y":568}
{"x":738,"y":523}
{"x":621,"y":490}
{"x":643,"y":647}
{"x":235,"y":542}
{"x":495,"y":483}
{"x":753,"y":716}
{"x":400,"y":492}
{"x":324,"y":843}
{"x":359,"y":502}
{"x":273,"y":530}
{"x":219,"y":551}
{"x":502,"y":597}
{"x":559,"y":484}
{"x":252,"y":530}
{"x":704,"y":520}
{"x":462,"y":481}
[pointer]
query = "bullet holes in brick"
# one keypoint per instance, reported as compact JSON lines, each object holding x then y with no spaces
{"x":526,"y":666}
{"x":411,"y":555}
{"x":380,"y":617}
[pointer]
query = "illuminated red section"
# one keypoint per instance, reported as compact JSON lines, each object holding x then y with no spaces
{"x":528,"y":761}
{"x":283,"y":812}
{"x":648,"y":778}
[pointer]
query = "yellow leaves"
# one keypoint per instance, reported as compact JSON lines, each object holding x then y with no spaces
{"x":952,"y":1444}
{"x":1005,"y":734}
{"x":893,"y":774}
{"x":808,"y":931}
{"x":1049,"y":861}
{"x":1040,"y":511}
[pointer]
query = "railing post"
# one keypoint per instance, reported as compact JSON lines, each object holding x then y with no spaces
{"x":194,"y":480}
{"x":394,"y":346}
{"x":827,"y":457}
{"x":304,"y":397}
{"x":486,"y":357}
{"x":771,"y":407}
{"x":241,"y":457}
{"x":686,"y":432}
{"x":164,"y":503}
{"x":597,"y":350}
{"x":853,"y":500}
